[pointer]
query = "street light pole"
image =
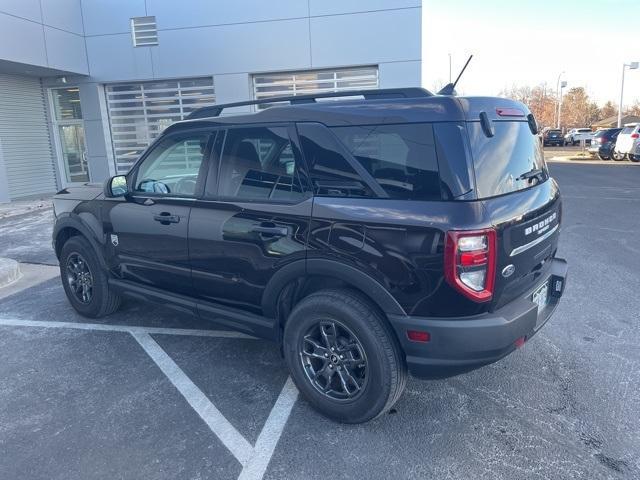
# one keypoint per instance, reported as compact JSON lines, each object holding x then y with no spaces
{"x":632,"y":66}
{"x":562,"y":85}
{"x":555,"y":113}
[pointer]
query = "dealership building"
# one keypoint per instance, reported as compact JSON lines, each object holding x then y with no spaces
{"x":86,"y":85}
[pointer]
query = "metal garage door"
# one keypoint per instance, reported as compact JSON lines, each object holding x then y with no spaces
{"x":139,"y":112}
{"x":314,"y":81}
{"x":24,"y":137}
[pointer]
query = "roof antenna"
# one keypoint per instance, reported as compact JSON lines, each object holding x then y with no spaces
{"x":450,"y":88}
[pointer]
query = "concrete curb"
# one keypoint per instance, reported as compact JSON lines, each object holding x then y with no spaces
{"x":9,"y":271}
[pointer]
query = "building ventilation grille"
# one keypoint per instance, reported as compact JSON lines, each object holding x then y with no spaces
{"x":144,"y":31}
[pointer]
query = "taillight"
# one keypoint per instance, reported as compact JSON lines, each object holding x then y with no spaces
{"x":470,"y":262}
{"x":635,"y":135}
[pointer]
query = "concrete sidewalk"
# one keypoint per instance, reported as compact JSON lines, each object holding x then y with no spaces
{"x":21,"y":207}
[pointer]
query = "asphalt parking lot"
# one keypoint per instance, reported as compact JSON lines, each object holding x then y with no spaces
{"x":150,"y":393}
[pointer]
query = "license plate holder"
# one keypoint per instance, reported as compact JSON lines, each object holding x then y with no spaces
{"x":541,"y":296}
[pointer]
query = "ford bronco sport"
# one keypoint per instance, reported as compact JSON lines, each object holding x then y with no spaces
{"x":395,"y":232}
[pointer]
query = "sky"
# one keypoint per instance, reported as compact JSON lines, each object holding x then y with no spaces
{"x":530,"y":42}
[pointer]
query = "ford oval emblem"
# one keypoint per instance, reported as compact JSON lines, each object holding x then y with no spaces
{"x":508,"y":270}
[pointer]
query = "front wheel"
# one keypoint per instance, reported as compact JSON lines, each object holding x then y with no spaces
{"x":84,"y":280}
{"x":634,"y":158}
{"x":343,"y":356}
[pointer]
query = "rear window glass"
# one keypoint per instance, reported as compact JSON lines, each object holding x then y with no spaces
{"x":501,"y":160}
{"x":627,"y":130}
{"x":401,"y":158}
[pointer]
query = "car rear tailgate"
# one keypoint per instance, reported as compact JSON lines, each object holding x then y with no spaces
{"x":527,"y":224}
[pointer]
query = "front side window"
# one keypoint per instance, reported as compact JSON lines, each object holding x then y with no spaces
{"x":258,"y":163}
{"x":173,"y":166}
{"x":401,"y":158}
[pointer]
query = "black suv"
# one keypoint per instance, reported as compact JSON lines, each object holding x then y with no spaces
{"x":604,"y":143}
{"x":553,"y":137}
{"x":397,"y":231}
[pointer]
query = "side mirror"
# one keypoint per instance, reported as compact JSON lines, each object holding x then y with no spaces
{"x":116,"y":186}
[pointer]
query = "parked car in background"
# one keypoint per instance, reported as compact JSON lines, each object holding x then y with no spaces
{"x":628,"y":142}
{"x":553,"y":137}
{"x":603,"y":144}
{"x":576,"y":135}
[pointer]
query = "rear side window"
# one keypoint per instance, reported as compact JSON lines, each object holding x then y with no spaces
{"x":258,"y":164}
{"x":500,"y":161}
{"x":627,"y":130}
{"x":331,"y":173}
{"x":401,"y":158}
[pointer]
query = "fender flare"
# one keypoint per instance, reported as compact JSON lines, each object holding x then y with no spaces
{"x":75,"y":222}
{"x":330,"y":268}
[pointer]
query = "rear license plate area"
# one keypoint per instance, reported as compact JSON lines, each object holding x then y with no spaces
{"x":541,"y":296}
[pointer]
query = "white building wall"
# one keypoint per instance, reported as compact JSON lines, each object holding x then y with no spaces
{"x":229,"y":40}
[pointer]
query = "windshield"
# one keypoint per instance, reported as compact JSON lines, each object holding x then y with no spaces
{"x":502,"y":161}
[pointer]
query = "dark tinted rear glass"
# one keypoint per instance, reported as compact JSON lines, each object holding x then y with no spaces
{"x":401,"y":158}
{"x":501,"y":160}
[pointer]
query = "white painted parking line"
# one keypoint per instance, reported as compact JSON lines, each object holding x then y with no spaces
{"x":270,"y":434}
{"x":228,"y":435}
{"x":254,"y":460}
{"x":124,"y":328}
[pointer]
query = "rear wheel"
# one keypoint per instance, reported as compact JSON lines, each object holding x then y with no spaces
{"x":343,"y":356}
{"x":617,"y":156}
{"x":84,"y":280}
{"x":603,"y":157}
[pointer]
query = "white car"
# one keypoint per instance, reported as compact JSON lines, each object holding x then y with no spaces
{"x":628,"y":142}
{"x":575,"y":135}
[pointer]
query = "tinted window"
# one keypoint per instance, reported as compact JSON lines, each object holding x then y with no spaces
{"x":259,"y":164}
{"x":401,"y":158}
{"x":501,"y":160}
{"x":331,"y":173}
{"x":173,"y":166}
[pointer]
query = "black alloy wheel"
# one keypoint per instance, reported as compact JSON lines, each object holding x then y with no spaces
{"x":79,"y":278}
{"x":334,"y":360}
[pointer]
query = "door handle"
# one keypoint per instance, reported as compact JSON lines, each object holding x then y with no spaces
{"x":166,"y":218}
{"x":273,"y":231}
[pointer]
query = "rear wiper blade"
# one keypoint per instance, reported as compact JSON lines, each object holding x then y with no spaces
{"x":535,"y":173}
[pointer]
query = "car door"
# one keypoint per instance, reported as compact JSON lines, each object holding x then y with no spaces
{"x":253,"y":219}
{"x":147,"y":229}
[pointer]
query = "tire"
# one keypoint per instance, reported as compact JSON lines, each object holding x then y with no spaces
{"x":603,"y":157}
{"x":634,"y":158}
{"x":76,"y":259}
{"x":374,"y":363}
{"x":617,"y":156}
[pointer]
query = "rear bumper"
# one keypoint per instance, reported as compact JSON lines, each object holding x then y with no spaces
{"x":461,"y":344}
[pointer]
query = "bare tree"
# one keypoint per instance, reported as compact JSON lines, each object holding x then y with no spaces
{"x":578,"y":110}
{"x":634,"y":109}
{"x":609,"y":109}
{"x":540,"y":100}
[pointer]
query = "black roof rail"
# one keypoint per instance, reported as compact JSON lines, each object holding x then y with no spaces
{"x":412,"y":92}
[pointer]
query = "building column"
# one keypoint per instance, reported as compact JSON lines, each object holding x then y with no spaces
{"x":96,"y":131}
